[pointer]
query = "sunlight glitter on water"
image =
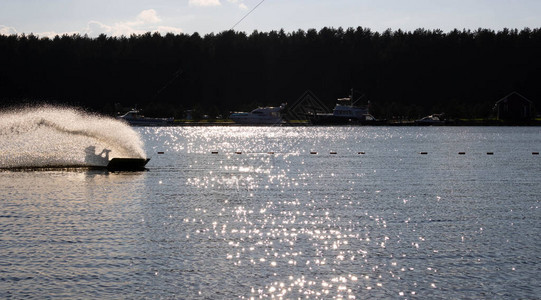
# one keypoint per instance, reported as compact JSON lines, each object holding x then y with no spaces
{"x":293,"y":235}
{"x":387,"y":224}
{"x":285,"y":223}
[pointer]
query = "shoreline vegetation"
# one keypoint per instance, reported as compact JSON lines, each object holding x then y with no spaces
{"x":462,"y":122}
{"x":404,"y":75}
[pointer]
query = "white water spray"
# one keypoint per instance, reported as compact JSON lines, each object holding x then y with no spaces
{"x":49,"y":136}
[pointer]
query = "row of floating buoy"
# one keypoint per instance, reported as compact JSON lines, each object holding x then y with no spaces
{"x":488,"y":153}
{"x":361,"y":152}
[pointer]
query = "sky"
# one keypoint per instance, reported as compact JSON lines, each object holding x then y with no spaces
{"x":126,"y":17}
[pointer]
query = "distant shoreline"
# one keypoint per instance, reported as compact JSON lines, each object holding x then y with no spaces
{"x":457,"y":123}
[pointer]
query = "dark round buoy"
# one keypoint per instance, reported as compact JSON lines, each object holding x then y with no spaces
{"x":423,"y":153}
{"x":461,"y":153}
{"x":490,"y":153}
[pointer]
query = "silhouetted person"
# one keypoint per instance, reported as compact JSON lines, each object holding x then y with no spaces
{"x":93,"y":159}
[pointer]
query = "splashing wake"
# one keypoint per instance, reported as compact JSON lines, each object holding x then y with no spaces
{"x":49,"y":136}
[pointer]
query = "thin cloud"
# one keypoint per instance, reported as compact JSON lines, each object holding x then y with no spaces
{"x":168,"y":29}
{"x":5,"y":30}
{"x":204,"y":3}
{"x":148,"y":16}
{"x":207,"y":3}
{"x":146,"y":21}
{"x":239,"y":3}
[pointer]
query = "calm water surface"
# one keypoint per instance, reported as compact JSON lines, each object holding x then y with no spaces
{"x":389,"y":223}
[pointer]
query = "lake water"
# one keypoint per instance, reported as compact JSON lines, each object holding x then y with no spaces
{"x":249,"y":212}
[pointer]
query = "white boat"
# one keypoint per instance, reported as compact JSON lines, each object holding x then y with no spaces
{"x":259,"y":116}
{"x":135,"y":118}
{"x":435,"y":119}
{"x":345,"y":112}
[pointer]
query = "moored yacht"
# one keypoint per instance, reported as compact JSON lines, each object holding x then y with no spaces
{"x":435,"y":119}
{"x":345,"y":112}
{"x":259,"y":116}
{"x":135,"y":118}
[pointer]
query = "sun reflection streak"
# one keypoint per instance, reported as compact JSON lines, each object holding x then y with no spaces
{"x":290,"y":235}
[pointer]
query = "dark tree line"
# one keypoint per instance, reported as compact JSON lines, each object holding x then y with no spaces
{"x":406,"y":74}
